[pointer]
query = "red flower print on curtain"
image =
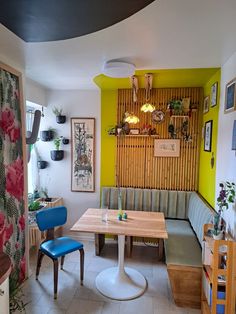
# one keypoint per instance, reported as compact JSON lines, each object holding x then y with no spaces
{"x":15,"y":178}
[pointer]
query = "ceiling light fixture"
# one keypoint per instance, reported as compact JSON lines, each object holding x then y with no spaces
{"x":148,"y":107}
{"x":118,"y":69}
{"x":131,"y":118}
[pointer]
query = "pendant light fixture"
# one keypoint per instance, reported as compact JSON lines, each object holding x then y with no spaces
{"x":148,"y":107}
{"x":131,"y":118}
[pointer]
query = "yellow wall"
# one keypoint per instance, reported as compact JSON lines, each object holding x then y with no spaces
{"x":206,"y":173}
{"x":162,"y":78}
{"x":108,"y":147}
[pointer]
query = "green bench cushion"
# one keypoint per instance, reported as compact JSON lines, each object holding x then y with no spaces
{"x":182,"y":247}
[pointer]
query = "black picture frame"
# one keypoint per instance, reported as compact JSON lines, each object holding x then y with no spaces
{"x":230,"y":96}
{"x":208,"y":135}
{"x":214,"y":92}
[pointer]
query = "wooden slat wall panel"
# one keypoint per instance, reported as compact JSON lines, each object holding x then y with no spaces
{"x":136,"y":165}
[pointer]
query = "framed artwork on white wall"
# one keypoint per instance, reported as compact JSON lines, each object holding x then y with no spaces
{"x":83,"y":154}
{"x":230,"y":96}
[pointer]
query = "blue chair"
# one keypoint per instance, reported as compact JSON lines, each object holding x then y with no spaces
{"x":56,"y":247}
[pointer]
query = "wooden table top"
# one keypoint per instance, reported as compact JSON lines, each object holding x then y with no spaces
{"x":5,"y":267}
{"x":139,"y":223}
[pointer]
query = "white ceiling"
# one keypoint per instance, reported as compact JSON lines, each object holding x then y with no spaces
{"x":167,"y":34}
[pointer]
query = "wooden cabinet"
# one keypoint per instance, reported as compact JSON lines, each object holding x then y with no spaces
{"x":218,"y":275}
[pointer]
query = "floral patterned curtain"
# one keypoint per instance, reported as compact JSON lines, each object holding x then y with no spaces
{"x":12,"y":210}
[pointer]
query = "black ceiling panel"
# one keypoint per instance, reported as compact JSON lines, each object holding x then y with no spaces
{"x":48,"y":20}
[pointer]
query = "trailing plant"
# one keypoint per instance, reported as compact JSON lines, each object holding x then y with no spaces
{"x":35,"y":205}
{"x":226,"y":196}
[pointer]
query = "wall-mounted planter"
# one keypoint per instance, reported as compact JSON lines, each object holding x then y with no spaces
{"x":61,"y":119}
{"x":57,"y":155}
{"x":42,"y":164}
{"x":46,"y":136}
{"x":65,"y":141}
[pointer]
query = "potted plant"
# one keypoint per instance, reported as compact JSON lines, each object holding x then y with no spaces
{"x":176,"y":106}
{"x":59,"y":117}
{"x":45,"y":197}
{"x":57,"y":154}
{"x":226,"y":196}
{"x":47,"y":135}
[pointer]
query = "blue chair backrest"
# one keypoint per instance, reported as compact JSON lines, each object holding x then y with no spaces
{"x":51,"y":217}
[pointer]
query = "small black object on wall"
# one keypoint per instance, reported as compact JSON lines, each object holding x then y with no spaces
{"x":65,"y":141}
{"x":57,"y":155}
{"x":47,"y":135}
{"x":42,"y":164}
{"x":61,"y":119}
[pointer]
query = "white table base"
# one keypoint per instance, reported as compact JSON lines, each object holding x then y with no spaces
{"x":121,"y":283}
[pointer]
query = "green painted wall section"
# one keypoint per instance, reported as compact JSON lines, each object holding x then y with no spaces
{"x":207,"y":174}
{"x":108,"y":142}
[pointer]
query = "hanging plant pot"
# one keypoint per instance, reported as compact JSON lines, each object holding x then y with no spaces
{"x":42,"y":164}
{"x":57,"y":155}
{"x":61,"y":119}
{"x":46,"y":136}
{"x":65,"y":141}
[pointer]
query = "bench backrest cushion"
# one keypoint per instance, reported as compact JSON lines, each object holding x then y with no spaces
{"x":199,"y":213}
{"x":174,"y":204}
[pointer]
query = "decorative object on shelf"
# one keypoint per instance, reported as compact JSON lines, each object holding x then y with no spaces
{"x":125,"y":216}
{"x":134,"y":131}
{"x":131,"y":118}
{"x":65,"y":141}
{"x":83,"y":154}
{"x":44,"y":195}
{"x":172,"y":130}
{"x":208,"y":136}
{"x":59,"y":117}
{"x":214,"y":90}
{"x":146,"y":129}
{"x":134,"y":84}
{"x":186,"y":105}
{"x":230,"y":96}
{"x":158,"y":116}
{"x":148,"y":107}
{"x":42,"y":164}
{"x":226,"y":196}
{"x":57,"y":154}
{"x":166,"y":148}
{"x":184,"y":131}
{"x":175,"y":107}
{"x":206,"y":104}
{"x":47,"y":135}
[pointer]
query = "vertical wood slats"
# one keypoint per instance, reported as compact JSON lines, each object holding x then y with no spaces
{"x":136,"y":164}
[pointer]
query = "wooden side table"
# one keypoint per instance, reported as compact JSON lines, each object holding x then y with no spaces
{"x":35,"y":235}
{"x":5,"y":270}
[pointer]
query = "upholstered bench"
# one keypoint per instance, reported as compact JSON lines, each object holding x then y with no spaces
{"x":183,"y":252}
{"x":185,"y":213}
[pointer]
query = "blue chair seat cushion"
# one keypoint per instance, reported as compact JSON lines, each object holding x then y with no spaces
{"x":60,"y":247}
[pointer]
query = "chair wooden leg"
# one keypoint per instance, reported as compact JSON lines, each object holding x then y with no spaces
{"x":62,"y":261}
{"x":81,"y":266}
{"x":39,"y":262}
{"x":55,"y":267}
{"x":99,"y":243}
{"x":160,"y":249}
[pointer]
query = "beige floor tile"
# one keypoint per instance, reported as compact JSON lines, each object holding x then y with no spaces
{"x":141,"y":305}
{"x":85,"y":307}
{"x":111,"y":308}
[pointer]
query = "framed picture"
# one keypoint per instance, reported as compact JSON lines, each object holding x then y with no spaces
{"x":82,"y":154}
{"x":166,"y":147}
{"x":214,"y":89}
{"x":208,"y":136}
{"x":206,"y":104}
{"x":134,"y":131}
{"x":230,"y":97}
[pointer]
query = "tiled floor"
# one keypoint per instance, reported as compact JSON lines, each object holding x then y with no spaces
{"x":76,"y":299}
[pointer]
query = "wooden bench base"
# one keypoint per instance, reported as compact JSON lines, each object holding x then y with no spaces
{"x":186,"y":285}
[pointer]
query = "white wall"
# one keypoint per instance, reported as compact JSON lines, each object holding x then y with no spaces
{"x":35,"y":93}
{"x":226,"y":158}
{"x":57,"y":177}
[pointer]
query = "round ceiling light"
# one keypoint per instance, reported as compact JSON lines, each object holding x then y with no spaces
{"x":118,"y":69}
